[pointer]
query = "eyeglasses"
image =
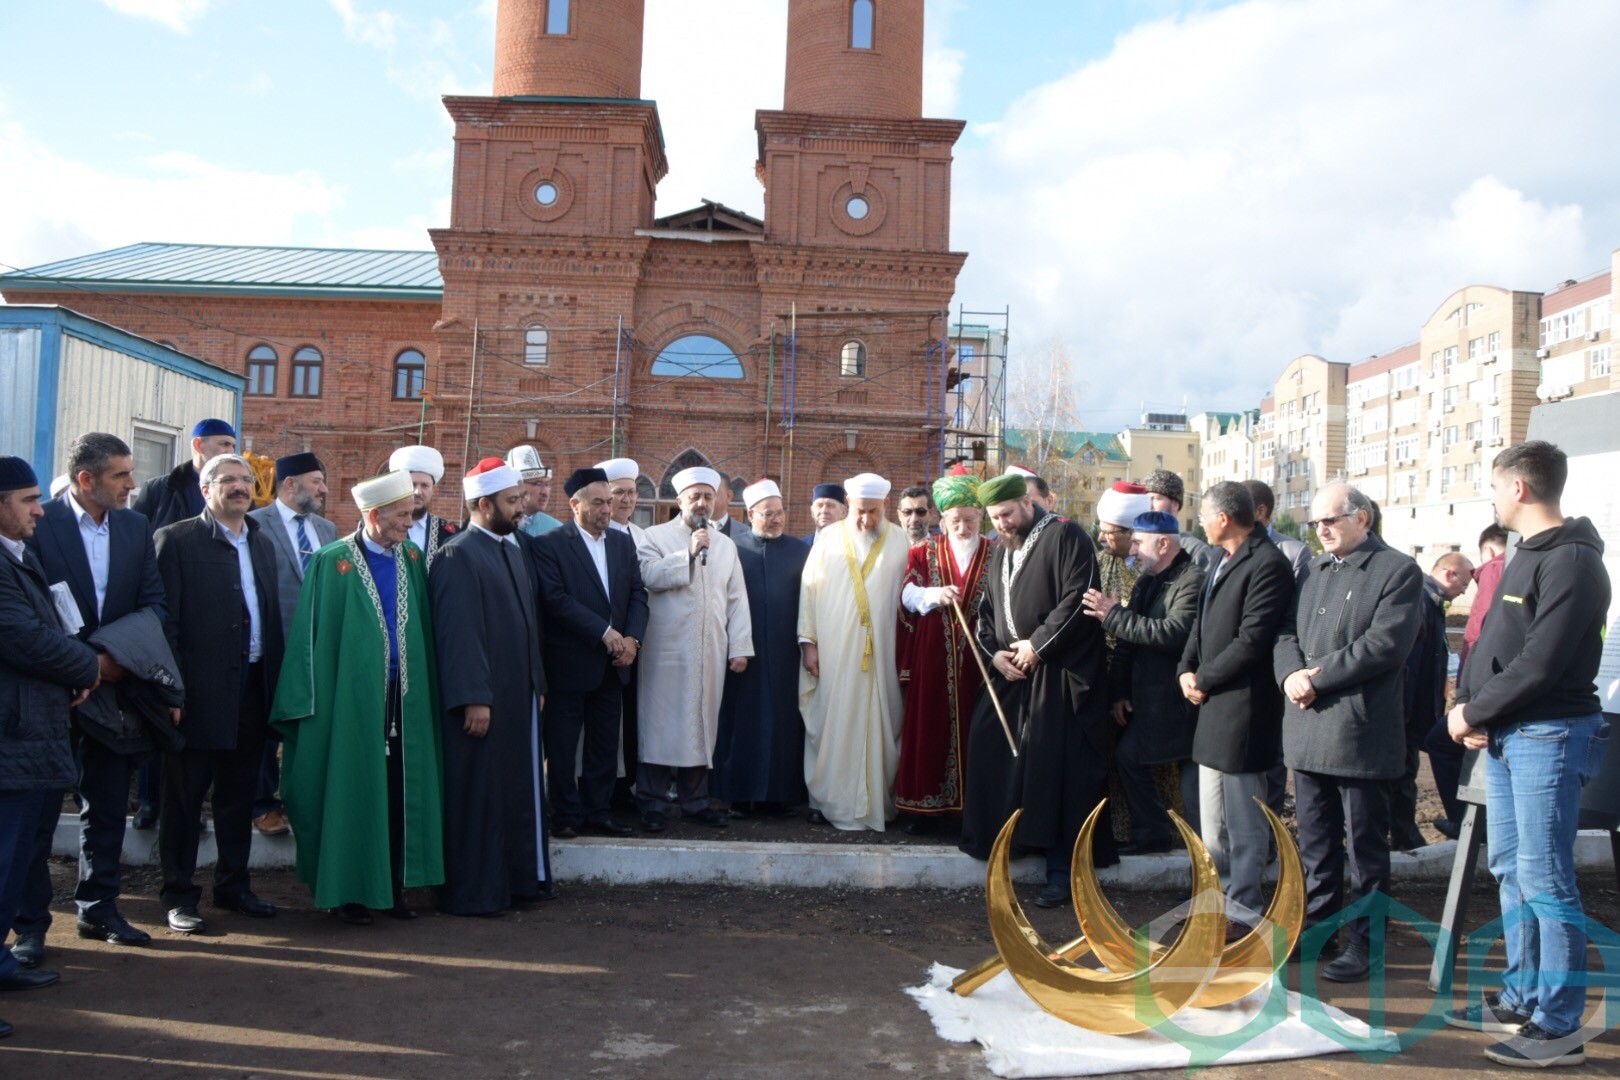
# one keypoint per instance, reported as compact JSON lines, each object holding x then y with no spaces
{"x":1327,"y":521}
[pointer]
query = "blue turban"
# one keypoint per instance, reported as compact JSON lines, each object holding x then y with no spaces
{"x":829,"y":491}
{"x":212,"y":427}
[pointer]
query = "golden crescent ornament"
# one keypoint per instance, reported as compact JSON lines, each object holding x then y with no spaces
{"x":1113,"y":1003}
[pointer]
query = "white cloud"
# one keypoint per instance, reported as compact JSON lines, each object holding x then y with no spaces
{"x":1224,"y":191}
{"x":52,"y":205}
{"x":177,"y":15}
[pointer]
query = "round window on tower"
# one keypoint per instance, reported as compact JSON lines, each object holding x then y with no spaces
{"x":857,"y":208}
{"x":857,"y":211}
{"x":546,"y":194}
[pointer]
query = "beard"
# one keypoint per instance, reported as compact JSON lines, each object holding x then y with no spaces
{"x":307,"y":504}
{"x":503,"y":526}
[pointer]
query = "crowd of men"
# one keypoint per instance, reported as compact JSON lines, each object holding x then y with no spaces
{"x":449,"y":697}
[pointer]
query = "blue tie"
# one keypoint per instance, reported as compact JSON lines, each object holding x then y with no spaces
{"x":305,"y":548}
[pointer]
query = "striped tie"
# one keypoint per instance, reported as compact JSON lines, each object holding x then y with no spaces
{"x":305,"y":550}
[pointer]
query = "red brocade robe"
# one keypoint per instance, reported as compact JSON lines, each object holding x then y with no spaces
{"x":940,"y":681}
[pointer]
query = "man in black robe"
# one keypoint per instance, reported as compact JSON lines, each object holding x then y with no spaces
{"x":492,"y":687}
{"x":1048,"y":666}
{"x":759,"y":754}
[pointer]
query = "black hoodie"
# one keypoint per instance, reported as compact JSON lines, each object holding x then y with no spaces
{"x":1538,"y":652}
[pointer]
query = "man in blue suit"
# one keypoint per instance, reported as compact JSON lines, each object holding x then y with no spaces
{"x":105,"y":555}
{"x":595,"y":610}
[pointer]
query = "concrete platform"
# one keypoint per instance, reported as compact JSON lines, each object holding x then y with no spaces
{"x":643,"y":861}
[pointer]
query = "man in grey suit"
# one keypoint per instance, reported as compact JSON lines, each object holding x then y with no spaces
{"x":1340,"y":660}
{"x":296,"y":529}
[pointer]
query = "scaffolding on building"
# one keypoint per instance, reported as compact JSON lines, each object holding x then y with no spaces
{"x":976,"y":389}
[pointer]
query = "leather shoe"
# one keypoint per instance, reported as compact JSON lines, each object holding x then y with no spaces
{"x":5,"y":1029}
{"x":564,"y":832}
{"x":609,"y":827}
{"x":185,"y":920}
{"x":353,"y":914}
{"x":652,"y":821}
{"x":145,"y":817}
{"x":1446,"y":827}
{"x":1351,"y":965}
{"x":1052,"y":896}
{"x":403,"y":913}
{"x":273,"y":823}
{"x":29,"y":949}
{"x":917,"y":826}
{"x":710,"y":817}
{"x":816,"y":817}
{"x":114,"y":929}
{"x":28,"y":980}
{"x":247,"y":904}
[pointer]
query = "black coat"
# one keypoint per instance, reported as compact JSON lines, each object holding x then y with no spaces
{"x":40,"y":667}
{"x":1230,"y":648}
{"x":1426,"y":664}
{"x":133,"y":581}
{"x":577,"y":613}
{"x":1150,"y":635}
{"x":173,"y":497}
{"x":202,"y":579}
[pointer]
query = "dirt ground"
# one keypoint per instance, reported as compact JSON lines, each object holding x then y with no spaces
{"x":665,"y":982}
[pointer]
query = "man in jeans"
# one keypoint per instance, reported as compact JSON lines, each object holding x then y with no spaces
{"x":1528,"y":696}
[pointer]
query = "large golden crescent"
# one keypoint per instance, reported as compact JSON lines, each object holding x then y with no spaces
{"x":1109,"y":1002}
{"x":1246,"y":965}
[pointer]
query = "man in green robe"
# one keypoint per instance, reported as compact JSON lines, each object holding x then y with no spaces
{"x":358,"y":708}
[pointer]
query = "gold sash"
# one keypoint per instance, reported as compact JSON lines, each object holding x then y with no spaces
{"x":857,"y":573}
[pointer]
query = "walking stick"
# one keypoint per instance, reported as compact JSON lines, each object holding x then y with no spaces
{"x":973,"y":647}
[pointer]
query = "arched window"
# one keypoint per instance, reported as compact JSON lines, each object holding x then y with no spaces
{"x":306,"y":372}
{"x":410,"y":371}
{"x":698,"y":354}
{"x":852,"y":359}
{"x":536,"y":342}
{"x":557,"y":16}
{"x":860,"y":24}
{"x":261,"y":371}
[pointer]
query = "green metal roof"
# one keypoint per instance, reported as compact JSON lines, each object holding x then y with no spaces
{"x":239,"y":270}
{"x":1071,"y":444}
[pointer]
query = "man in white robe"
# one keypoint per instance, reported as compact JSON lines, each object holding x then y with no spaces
{"x":849,"y":690}
{"x":699,"y":626}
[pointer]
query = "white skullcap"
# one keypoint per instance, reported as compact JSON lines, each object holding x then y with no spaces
{"x":1120,"y":508}
{"x":526,"y":460}
{"x":759,"y":491}
{"x":488,"y":477}
{"x":1019,"y":470}
{"x":382,"y":490}
{"x":418,"y":459}
{"x":619,"y":468}
{"x":867,"y":486}
{"x":60,"y":484}
{"x":699,"y":475}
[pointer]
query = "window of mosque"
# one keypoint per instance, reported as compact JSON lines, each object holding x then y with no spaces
{"x":410,"y":372}
{"x":857,"y":208}
{"x":536,"y":342}
{"x":261,"y":371}
{"x":860,"y":25}
{"x":556,"y":16}
{"x":307,"y":364}
{"x":852,"y":359}
{"x":546,"y":193}
{"x":698,"y":354}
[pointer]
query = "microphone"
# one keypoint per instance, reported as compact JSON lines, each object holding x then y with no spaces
{"x":703,"y":556}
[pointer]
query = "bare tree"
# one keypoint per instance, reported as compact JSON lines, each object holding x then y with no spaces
{"x":1043,"y":399}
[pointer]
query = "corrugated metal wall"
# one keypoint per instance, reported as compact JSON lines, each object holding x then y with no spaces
{"x":19,"y":390}
{"x":105,"y":390}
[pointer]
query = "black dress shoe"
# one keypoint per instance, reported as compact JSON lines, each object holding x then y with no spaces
{"x":652,"y":821}
{"x":29,"y":949}
{"x":1446,"y":827}
{"x":1052,"y":896}
{"x":114,"y":929}
{"x":711,"y":817}
{"x":400,"y":910}
{"x":5,"y":1029}
{"x":547,"y":891}
{"x":145,"y":817}
{"x":1159,"y":847}
{"x":816,"y":817}
{"x":918,"y":826}
{"x":564,"y":832}
{"x":609,"y":828}
{"x":247,"y":904}
{"x":353,"y":914}
{"x":185,"y":920}
{"x":1349,"y":966}
{"x":28,"y":980}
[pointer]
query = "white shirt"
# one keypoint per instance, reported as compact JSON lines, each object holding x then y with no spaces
{"x":923,"y":599}
{"x":13,"y":546}
{"x":419,"y":533}
{"x":97,"y":548}
{"x":287,"y":514}
{"x":250,"y":591}
{"x":596,"y":547}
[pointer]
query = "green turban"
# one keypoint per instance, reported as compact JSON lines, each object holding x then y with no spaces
{"x":953,"y":491}
{"x":1002,"y":489}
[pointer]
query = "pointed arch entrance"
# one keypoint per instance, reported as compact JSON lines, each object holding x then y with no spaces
{"x":727,"y":500}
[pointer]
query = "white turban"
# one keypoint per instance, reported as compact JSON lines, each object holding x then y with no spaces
{"x":418,"y":459}
{"x":699,"y":475}
{"x":619,"y":468}
{"x":759,"y":491}
{"x":1120,"y":505}
{"x":382,"y":490}
{"x":486,"y":479}
{"x":867,"y":486}
{"x":60,"y":484}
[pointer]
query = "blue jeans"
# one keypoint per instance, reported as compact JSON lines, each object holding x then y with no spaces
{"x":1534,"y":775}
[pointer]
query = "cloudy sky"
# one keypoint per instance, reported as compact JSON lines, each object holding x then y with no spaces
{"x":1186,"y":194}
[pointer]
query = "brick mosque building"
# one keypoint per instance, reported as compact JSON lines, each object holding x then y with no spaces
{"x":558,"y":309}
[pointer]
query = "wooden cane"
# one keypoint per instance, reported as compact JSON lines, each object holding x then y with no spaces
{"x":973,"y":647}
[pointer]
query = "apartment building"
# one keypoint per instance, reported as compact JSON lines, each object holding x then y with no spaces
{"x":1302,"y":431}
{"x":1228,"y":446}
{"x":1573,"y":340}
{"x":1165,"y":440}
